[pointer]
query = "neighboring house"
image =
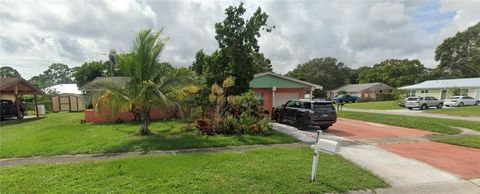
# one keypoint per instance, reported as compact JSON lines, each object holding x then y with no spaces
{"x":274,"y":90}
{"x":441,"y":89}
{"x":93,"y":91}
{"x":368,"y":91}
{"x":63,"y":89}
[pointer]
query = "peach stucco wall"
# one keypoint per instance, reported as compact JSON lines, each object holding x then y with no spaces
{"x":267,"y":95}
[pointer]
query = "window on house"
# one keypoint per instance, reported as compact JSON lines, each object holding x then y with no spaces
{"x":413,"y":93}
{"x":464,"y":92}
{"x":424,"y":91}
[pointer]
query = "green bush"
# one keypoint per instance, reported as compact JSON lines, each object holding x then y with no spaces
{"x":265,"y":126}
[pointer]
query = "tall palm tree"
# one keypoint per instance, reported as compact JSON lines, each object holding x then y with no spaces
{"x":150,"y":84}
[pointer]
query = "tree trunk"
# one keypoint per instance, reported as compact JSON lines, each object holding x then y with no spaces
{"x":144,"y":122}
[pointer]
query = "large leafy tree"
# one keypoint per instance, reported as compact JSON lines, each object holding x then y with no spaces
{"x":7,"y":71}
{"x":88,"y":71}
{"x":237,"y":41}
{"x":59,"y":73}
{"x":261,"y":63}
{"x":151,"y":84}
{"x":394,"y":72}
{"x":327,"y":72}
{"x":459,"y":56}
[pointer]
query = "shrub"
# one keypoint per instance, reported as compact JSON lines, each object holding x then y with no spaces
{"x":265,"y":126}
{"x":204,"y":127}
{"x":233,"y":114}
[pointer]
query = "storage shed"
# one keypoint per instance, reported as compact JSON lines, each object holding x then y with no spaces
{"x":68,"y":103}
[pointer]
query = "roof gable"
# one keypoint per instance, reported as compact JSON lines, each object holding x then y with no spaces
{"x":361,"y":87}
{"x":446,"y":83}
{"x":269,"y":80}
{"x":94,"y":84}
{"x":7,"y":85}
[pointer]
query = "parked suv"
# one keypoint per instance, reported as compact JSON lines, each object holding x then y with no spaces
{"x":9,"y":109}
{"x":345,"y":98}
{"x":306,"y":113}
{"x":423,"y":102}
{"x":461,"y":100}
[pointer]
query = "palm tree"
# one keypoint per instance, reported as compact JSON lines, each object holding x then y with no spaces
{"x":150,"y":84}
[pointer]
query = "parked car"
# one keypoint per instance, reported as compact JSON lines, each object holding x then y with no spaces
{"x":9,"y":109}
{"x":345,"y":98}
{"x":402,"y":102}
{"x":306,"y":113}
{"x":423,"y":102}
{"x":461,"y":101}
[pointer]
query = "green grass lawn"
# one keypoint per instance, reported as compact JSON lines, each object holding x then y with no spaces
{"x":377,"y":105}
{"x":430,"y":124}
{"x":467,"y":141}
{"x":458,"y":111}
{"x":264,"y":170}
{"x":62,"y":133}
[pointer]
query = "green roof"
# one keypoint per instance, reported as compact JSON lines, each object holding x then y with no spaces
{"x":269,"y":80}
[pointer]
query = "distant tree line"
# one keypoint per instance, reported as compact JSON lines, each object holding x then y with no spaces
{"x":458,"y":57}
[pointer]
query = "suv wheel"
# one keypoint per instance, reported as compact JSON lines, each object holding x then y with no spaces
{"x":477,"y":103}
{"x":461,"y":104}
{"x":439,"y":106}
{"x":278,"y":118}
{"x":324,"y":127}
{"x":410,"y":108}
{"x":299,"y":123}
{"x":423,"y":107}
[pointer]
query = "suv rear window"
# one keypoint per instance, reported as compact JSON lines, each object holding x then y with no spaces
{"x":322,"y":106}
{"x":412,"y":99}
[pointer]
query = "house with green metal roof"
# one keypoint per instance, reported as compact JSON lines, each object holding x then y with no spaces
{"x":274,"y":90}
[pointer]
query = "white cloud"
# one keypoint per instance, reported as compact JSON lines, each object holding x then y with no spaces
{"x":35,"y":34}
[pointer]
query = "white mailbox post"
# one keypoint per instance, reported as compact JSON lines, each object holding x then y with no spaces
{"x":325,"y":145}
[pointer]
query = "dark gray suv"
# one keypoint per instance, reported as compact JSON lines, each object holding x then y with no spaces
{"x":306,"y":113}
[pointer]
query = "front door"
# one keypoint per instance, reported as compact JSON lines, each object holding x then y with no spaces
{"x":444,"y":94}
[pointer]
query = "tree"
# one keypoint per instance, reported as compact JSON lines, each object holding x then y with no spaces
{"x":7,"y":71}
{"x":149,"y":86}
{"x":394,"y":72}
{"x":199,"y":64}
{"x":459,"y":56}
{"x":261,"y":63}
{"x":41,"y":81}
{"x":354,"y":75}
{"x":237,"y":40}
{"x":327,"y":72}
{"x":59,"y":73}
{"x":88,"y":71}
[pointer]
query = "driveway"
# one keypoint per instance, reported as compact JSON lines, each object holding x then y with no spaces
{"x":406,"y":112}
{"x":401,"y":156}
{"x":355,"y":129}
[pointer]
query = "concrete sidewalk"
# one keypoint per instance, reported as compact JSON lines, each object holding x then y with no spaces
{"x":60,"y":159}
{"x":413,"y":113}
{"x":456,"y":187}
{"x":405,"y":175}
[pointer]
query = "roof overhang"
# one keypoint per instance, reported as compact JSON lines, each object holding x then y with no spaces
{"x":307,"y":84}
{"x":18,"y":86}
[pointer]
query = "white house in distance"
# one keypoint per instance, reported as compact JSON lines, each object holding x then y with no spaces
{"x":440,"y":88}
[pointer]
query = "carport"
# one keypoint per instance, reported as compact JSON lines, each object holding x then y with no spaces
{"x":16,"y":87}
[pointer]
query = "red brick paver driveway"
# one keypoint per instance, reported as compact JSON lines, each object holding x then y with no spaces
{"x":355,"y":129}
{"x":461,"y":161}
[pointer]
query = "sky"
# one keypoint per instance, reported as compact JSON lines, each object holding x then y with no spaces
{"x":35,"y":34}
